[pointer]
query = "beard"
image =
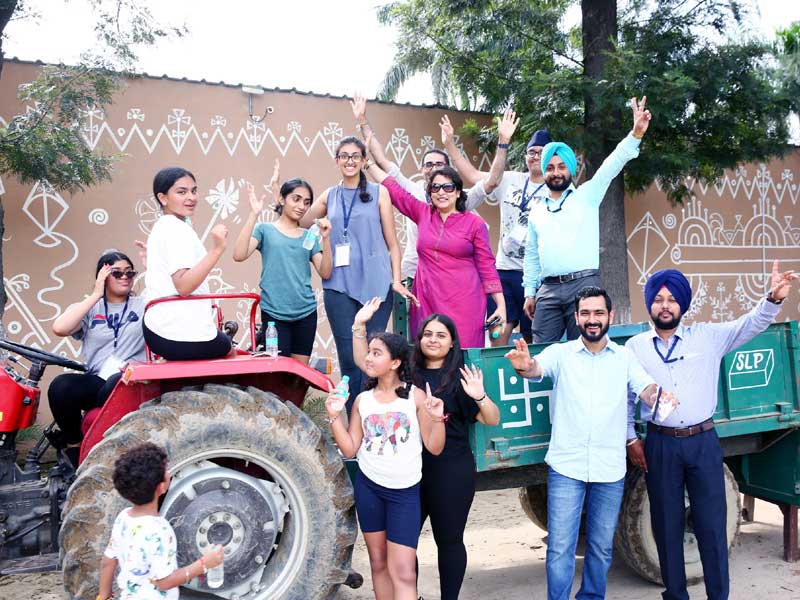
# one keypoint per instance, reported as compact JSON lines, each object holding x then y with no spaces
{"x":660,"y":323}
{"x":561,"y":185}
{"x":596,"y":337}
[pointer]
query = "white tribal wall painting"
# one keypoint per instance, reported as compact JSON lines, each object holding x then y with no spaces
{"x":52,"y":241}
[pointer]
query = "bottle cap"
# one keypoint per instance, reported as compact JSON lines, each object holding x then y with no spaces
{"x":345,"y":378}
{"x":271,"y":323}
{"x":495,"y":335}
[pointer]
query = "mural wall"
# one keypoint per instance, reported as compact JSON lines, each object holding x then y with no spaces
{"x":724,"y":239}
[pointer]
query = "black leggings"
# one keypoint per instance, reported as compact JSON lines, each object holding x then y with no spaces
{"x":447,"y":490}
{"x":172,"y":350}
{"x":71,"y":393}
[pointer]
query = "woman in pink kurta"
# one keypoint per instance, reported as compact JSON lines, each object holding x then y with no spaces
{"x":456,"y":267}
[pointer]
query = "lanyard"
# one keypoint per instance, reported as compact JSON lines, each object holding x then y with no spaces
{"x":560,"y":204}
{"x":119,"y":323}
{"x":666,"y":359}
{"x":347,"y":212}
{"x":526,"y":199}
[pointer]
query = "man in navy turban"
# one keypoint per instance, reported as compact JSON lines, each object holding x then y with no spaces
{"x":682,"y":449}
{"x":562,"y":249}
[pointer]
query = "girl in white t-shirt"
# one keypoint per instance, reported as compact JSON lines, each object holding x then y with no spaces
{"x":389,"y":423}
{"x":178,"y":265}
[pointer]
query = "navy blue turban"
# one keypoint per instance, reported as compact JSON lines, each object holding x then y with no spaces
{"x":540,"y":138}
{"x":676,"y":283}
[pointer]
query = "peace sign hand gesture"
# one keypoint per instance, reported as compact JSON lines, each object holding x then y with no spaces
{"x":641,"y":117}
{"x":781,"y":282}
{"x":448,"y":133}
{"x":472,"y":382}
{"x":434,"y":405}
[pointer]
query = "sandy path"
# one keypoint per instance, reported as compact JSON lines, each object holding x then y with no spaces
{"x":506,"y":560}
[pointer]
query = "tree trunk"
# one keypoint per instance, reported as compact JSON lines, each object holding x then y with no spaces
{"x":7,"y":8}
{"x":599,"y":27}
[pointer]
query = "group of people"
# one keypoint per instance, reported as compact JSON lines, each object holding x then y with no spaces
{"x":409,"y":410}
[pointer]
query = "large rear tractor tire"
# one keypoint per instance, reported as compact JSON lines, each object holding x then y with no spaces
{"x":634,"y":542}
{"x":249,"y":472}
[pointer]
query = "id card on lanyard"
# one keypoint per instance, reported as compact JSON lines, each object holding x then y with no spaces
{"x":341,"y":257}
{"x":113,"y":363}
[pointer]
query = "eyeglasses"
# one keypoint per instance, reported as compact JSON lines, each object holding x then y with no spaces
{"x":434,"y":165}
{"x":533,"y":153}
{"x":447,"y":187}
{"x":344,"y":157}
{"x":125,"y":274}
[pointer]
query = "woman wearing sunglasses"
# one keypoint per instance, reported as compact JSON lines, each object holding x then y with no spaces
{"x":109,"y":324}
{"x":456,"y":268}
{"x":366,"y":255}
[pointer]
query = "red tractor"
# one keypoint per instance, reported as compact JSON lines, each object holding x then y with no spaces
{"x":250,"y":471}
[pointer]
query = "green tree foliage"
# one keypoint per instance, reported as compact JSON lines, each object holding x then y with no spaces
{"x":45,"y":140}
{"x":709,"y":82}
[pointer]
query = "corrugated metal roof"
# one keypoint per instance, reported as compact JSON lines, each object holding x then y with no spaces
{"x":312,"y":94}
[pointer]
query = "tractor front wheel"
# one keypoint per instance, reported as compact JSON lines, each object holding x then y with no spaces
{"x":249,"y":472}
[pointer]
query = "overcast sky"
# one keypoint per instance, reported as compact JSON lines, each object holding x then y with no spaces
{"x":314,"y":45}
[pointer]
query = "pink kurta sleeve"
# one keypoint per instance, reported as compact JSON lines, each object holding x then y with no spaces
{"x":404,"y":201}
{"x":484,"y":259}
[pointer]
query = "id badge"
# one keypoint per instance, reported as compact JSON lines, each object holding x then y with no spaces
{"x":111,"y":366}
{"x":518,"y":234}
{"x":341,"y":256}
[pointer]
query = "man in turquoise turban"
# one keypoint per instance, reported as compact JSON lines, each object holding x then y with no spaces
{"x":562,"y":249}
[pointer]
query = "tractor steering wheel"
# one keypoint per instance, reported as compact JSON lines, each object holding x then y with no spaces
{"x":42,"y":356}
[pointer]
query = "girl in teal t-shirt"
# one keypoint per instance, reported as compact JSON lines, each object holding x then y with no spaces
{"x":286,"y":295}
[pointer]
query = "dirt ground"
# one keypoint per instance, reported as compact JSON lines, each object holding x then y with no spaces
{"x":506,"y":560}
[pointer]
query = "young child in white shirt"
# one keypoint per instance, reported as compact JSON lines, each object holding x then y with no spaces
{"x":142,"y":542}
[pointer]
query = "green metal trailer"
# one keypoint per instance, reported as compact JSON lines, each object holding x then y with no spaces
{"x":757,"y":419}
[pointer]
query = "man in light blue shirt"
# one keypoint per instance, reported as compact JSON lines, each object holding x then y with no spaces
{"x":562,"y":252}
{"x":683,"y":449}
{"x":592,"y":377}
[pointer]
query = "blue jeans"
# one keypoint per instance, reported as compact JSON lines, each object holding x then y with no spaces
{"x":341,"y":310}
{"x":565,"y":497}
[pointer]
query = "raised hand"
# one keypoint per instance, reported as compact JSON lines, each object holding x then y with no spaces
{"x":142,"y":246}
{"x":367,"y":311}
{"x":404,"y":292}
{"x":448,"y":133}
{"x":275,"y":181}
{"x":219,"y":234}
{"x":520,"y":357}
{"x":359,"y":106}
{"x":781,"y":282}
{"x":472,"y":382}
{"x":434,"y":405}
{"x":324,"y":227}
{"x":256,"y":203}
{"x":506,"y":126}
{"x":641,"y":117}
{"x":100,"y":282}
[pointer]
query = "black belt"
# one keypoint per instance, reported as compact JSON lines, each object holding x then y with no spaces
{"x":682,"y":432}
{"x":571,"y":276}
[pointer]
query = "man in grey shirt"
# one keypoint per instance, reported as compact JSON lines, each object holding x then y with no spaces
{"x":683,"y":449}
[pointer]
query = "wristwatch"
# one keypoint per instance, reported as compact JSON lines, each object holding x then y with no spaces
{"x":503,"y":146}
{"x":773,"y":301}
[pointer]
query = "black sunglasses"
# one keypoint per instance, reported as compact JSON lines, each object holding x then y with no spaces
{"x":126,"y":274}
{"x":447,"y":187}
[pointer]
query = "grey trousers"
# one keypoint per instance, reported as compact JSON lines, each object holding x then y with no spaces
{"x":555,"y":309}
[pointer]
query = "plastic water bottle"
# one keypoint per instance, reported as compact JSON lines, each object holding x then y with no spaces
{"x":216,"y":576}
{"x":342,"y":391}
{"x":271,"y":342}
{"x":311,"y":236}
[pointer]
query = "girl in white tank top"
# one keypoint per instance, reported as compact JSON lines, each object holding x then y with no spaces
{"x":389,"y":423}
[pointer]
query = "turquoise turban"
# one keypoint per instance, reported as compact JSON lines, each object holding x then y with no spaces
{"x":564,"y":152}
